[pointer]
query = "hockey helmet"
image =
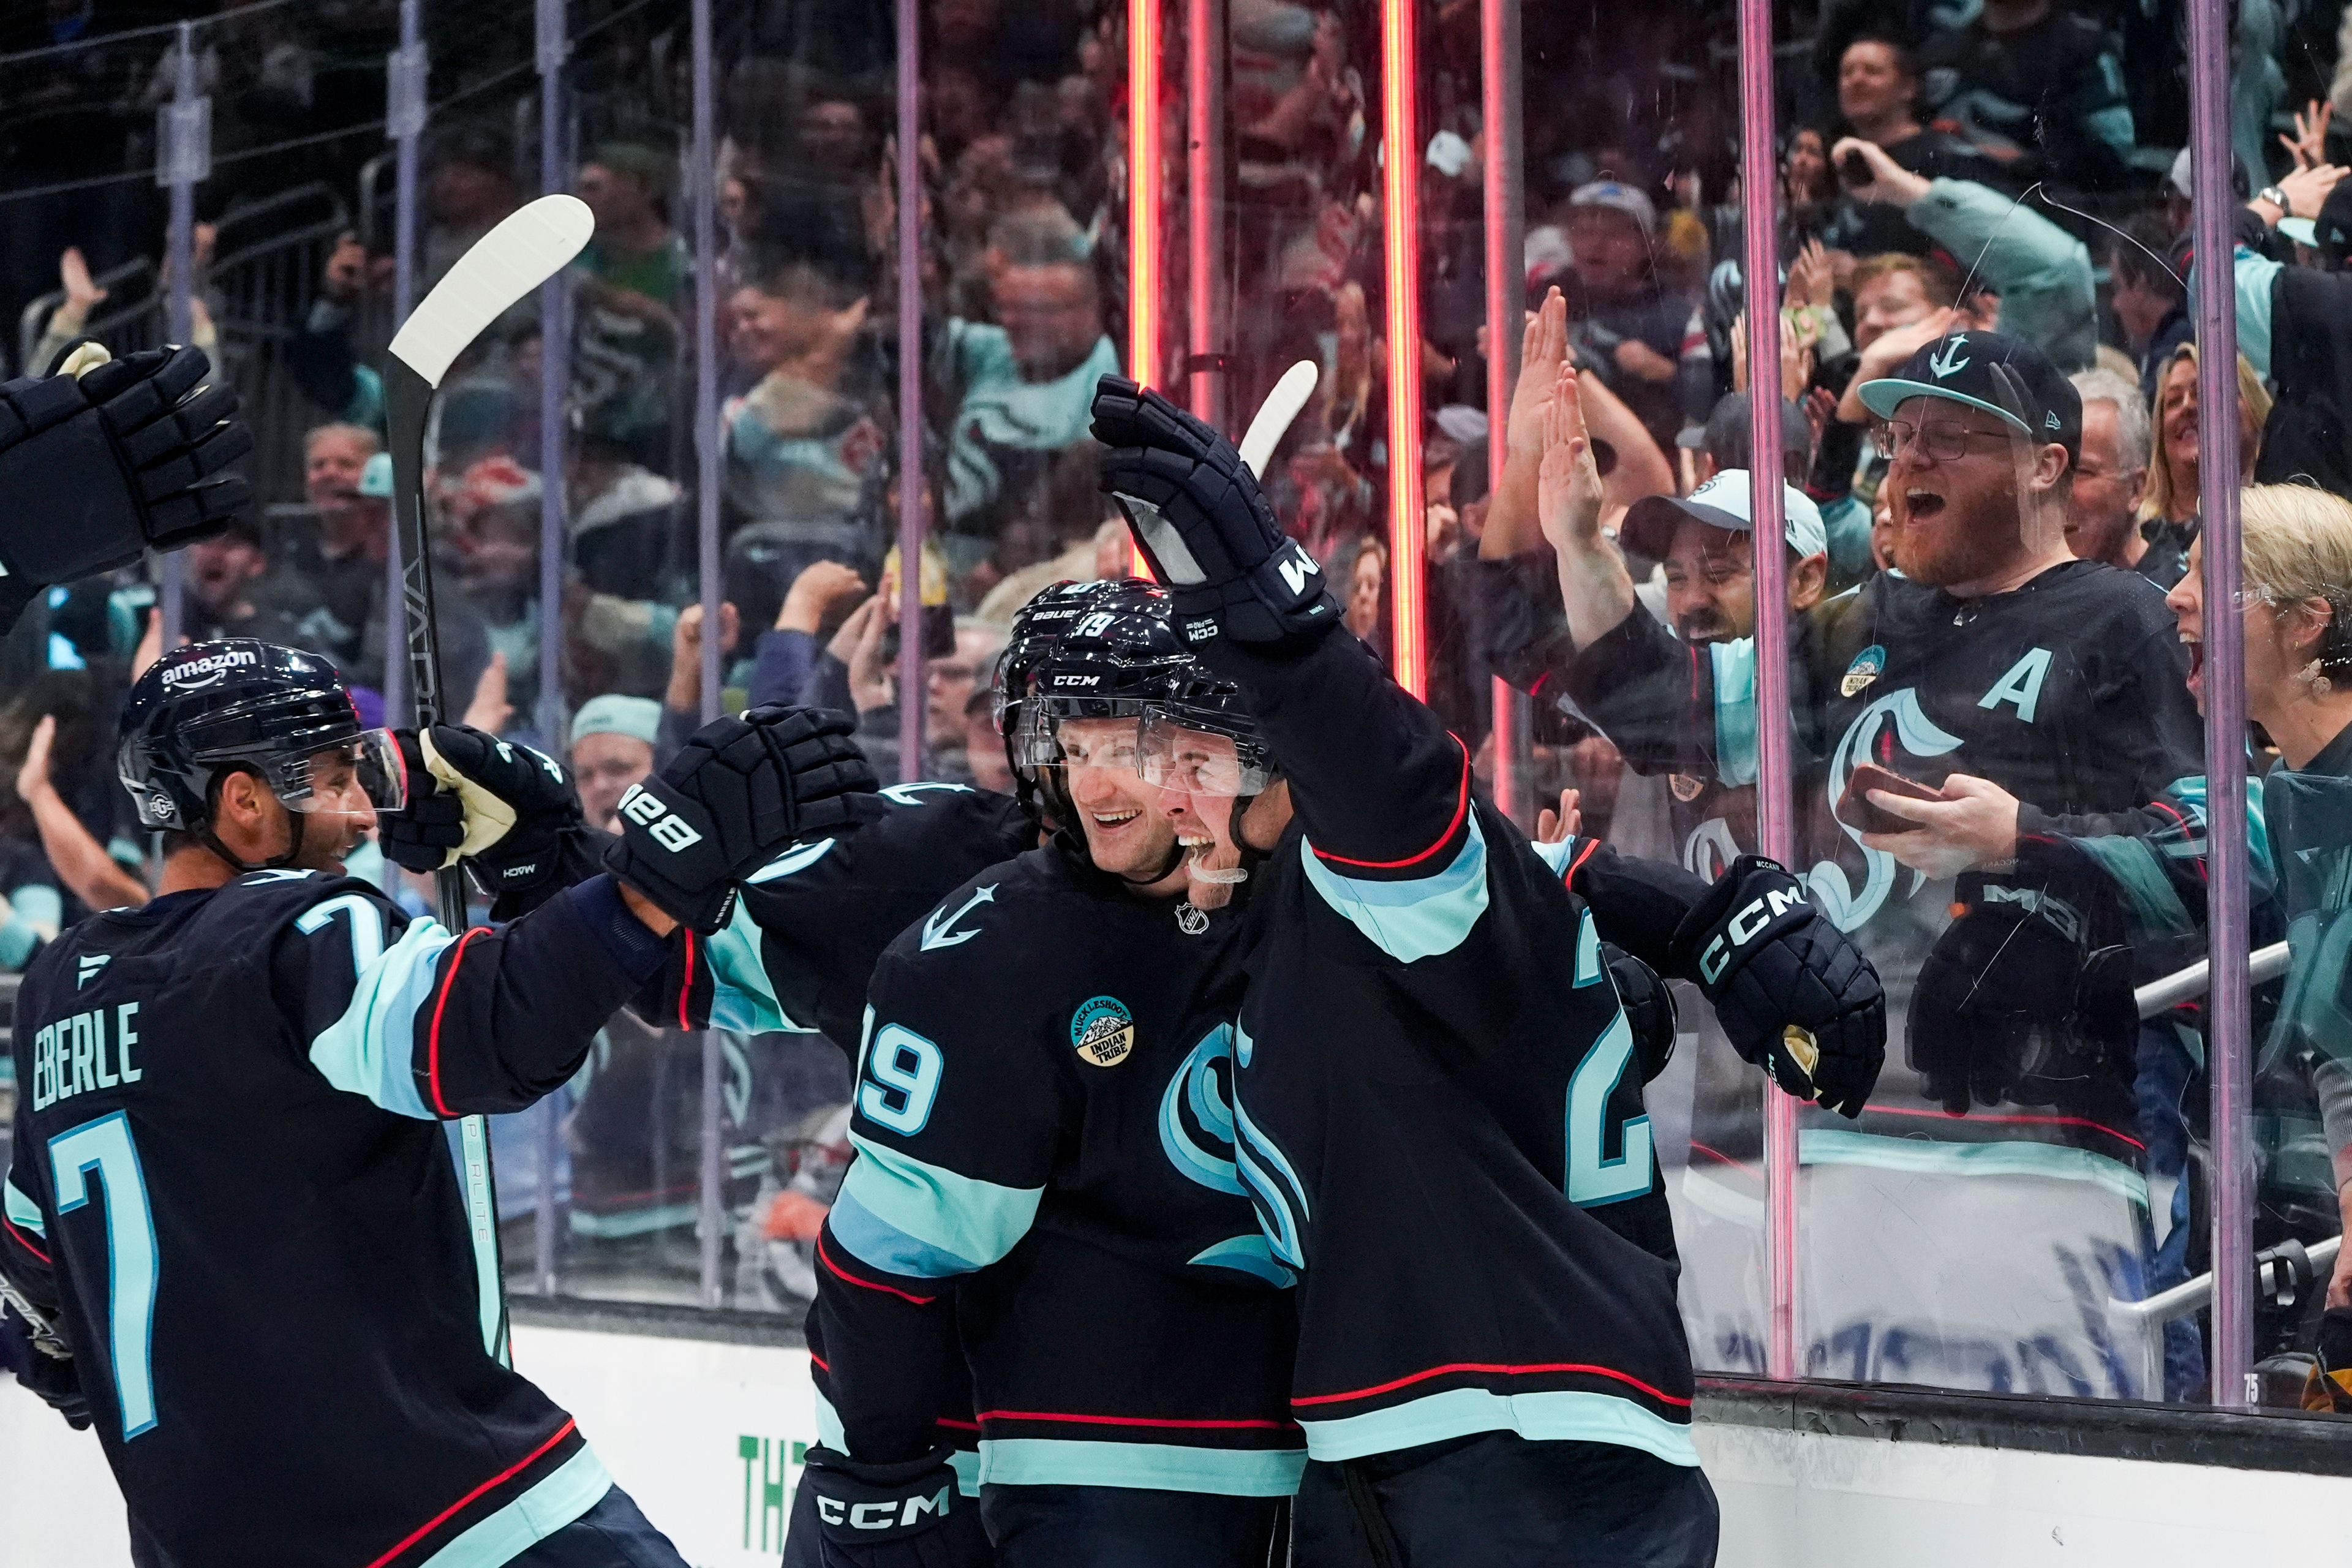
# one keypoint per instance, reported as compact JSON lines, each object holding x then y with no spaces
{"x":213,"y":708}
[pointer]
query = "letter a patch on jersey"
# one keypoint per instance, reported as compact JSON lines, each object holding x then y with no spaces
{"x":2022,"y":687}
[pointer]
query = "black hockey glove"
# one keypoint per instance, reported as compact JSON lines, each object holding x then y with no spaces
{"x":908,"y":1515}
{"x":1648,"y":1005}
{"x":1794,"y":995}
{"x":97,"y":468}
{"x":2026,"y":999}
{"x":501,"y":808}
{"x":54,"y":1378}
{"x":1198,"y":515}
{"x":735,"y":795}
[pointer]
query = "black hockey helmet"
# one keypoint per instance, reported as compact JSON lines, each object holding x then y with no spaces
{"x":1112,"y":661}
{"x":1038,"y":626}
{"x":213,"y":708}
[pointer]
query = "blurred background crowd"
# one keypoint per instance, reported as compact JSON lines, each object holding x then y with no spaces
{"x":2010,"y":164}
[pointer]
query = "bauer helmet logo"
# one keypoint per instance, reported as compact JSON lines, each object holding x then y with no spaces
{"x":661,"y":825}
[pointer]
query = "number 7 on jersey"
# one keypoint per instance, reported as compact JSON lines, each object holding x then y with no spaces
{"x":105,"y":1147}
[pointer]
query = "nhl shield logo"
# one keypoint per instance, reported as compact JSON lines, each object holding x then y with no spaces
{"x":1103,"y":1031}
{"x":1867,"y":665}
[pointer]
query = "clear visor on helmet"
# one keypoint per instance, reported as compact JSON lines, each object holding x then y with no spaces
{"x":1079,"y":732}
{"x":343,"y":780}
{"x":1174,"y":756}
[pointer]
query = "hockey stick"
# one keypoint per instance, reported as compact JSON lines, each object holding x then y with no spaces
{"x":1273,"y":415}
{"x":526,"y":249}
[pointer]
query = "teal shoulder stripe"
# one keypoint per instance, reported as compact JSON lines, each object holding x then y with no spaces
{"x":570,"y":1489}
{"x":1735,"y":709}
{"x":22,"y":1211}
{"x":743,"y":998}
{"x":1556,"y":1415}
{"x":1144,"y":1467}
{"x":1409,"y":920}
{"x":1558,"y":856}
{"x":1830,"y":1146}
{"x":963,"y":1217}
{"x":369,"y":1050}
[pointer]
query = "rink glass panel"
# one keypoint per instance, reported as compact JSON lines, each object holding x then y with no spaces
{"x":2000,"y":1248}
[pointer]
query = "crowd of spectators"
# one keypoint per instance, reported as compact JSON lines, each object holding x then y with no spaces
{"x":2010,"y":166}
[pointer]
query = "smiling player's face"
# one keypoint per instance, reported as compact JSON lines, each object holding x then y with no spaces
{"x":1127,"y":831}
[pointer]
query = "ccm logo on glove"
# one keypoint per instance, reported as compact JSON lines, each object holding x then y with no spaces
{"x":888,"y":1514}
{"x":1743,"y":929}
{"x":663,"y":826}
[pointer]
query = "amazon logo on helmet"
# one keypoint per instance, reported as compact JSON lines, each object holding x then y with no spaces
{"x":209,"y":667}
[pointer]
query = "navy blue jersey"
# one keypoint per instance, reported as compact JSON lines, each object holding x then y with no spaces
{"x":232,"y":1186}
{"x":1044,"y":1125}
{"x":1438,"y":1108}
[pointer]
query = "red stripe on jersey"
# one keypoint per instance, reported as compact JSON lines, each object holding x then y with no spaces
{"x":1568,"y":879}
{"x":844,"y":1275}
{"x":1199,"y":1425}
{"x":1661,"y":1396}
{"x":508,"y":1474}
{"x":686,"y":989}
{"x":958,"y":1425}
{"x":1461,"y":810}
{"x":21,"y":1242}
{"x":432,"y":1036}
{"x":820,"y":1362}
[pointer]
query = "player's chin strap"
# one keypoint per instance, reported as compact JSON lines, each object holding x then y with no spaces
{"x":243,"y":868}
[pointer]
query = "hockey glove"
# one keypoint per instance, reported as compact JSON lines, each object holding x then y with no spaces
{"x":501,"y":808}
{"x":1198,"y":515}
{"x":736,"y":795}
{"x":51,"y":1376}
{"x":908,"y":1515}
{"x":101,"y":467}
{"x":1649,"y":1006}
{"x":2026,"y":999}
{"x":1794,"y":995}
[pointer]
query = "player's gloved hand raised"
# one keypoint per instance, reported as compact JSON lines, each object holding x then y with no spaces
{"x":123,"y":457}
{"x":1198,"y":515}
{"x":1794,"y":995}
{"x":1649,"y":1006}
{"x":736,"y":795}
{"x":909,"y":1515}
{"x":501,"y":808}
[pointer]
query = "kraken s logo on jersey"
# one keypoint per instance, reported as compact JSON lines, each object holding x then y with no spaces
{"x":1920,"y":736}
{"x":1102,"y":1031}
{"x":1196,"y":1116}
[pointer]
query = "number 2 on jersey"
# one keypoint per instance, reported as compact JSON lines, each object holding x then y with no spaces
{"x":104,"y":1146}
{"x":1593,"y":1179}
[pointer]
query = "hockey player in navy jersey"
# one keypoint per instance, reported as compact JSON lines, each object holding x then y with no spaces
{"x":1044,"y":1165}
{"x":232,"y":1199}
{"x":1435,"y":1130}
{"x":108,"y":459}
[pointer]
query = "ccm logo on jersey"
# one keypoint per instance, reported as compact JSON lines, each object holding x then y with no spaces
{"x":663,"y":826}
{"x":890,"y":1514}
{"x":1744,"y":928}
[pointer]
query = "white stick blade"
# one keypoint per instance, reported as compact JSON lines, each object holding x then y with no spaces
{"x":530,"y":246}
{"x":1275,"y":415}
